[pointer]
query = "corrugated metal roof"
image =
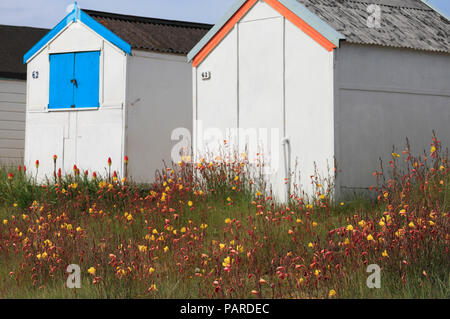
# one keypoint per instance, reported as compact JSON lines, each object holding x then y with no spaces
{"x":165,"y":36}
{"x":15,"y":42}
{"x":404,"y":23}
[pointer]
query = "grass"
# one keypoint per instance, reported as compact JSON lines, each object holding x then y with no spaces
{"x":208,"y":230}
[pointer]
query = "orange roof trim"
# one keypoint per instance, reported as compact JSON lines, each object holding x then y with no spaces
{"x":223,"y":32}
{"x":275,"y":4}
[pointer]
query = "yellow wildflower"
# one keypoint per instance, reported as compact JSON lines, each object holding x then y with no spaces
{"x":142,"y":248}
{"x":226,"y":262}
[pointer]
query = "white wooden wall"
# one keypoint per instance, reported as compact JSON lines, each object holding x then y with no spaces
{"x":384,"y":95}
{"x":159,"y":100}
{"x":12,"y":121}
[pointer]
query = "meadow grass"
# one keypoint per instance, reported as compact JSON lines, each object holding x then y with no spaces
{"x":208,"y":230}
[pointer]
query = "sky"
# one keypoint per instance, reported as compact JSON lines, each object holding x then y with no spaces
{"x":47,"y":13}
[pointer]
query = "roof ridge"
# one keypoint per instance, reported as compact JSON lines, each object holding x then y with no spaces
{"x":23,"y":27}
{"x":390,"y":5}
{"x":176,"y":23}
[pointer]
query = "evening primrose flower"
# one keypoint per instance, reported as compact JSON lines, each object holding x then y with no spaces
{"x":151,"y":270}
{"x":142,"y":248}
{"x":332,"y":293}
{"x":347,"y":241}
{"x":399,"y":232}
{"x":226,"y":262}
{"x":166,"y":249}
{"x":5,"y":221}
{"x":190,"y":203}
{"x":227,"y":221}
{"x":204,"y":226}
{"x":314,"y":224}
{"x":411,"y":225}
{"x":384,"y":253}
{"x":92,"y":271}
{"x":310,"y":245}
{"x":349,"y":227}
{"x":369,"y":237}
{"x":183,"y":229}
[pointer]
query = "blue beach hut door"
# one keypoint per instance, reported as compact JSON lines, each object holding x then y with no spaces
{"x":74,"y":80}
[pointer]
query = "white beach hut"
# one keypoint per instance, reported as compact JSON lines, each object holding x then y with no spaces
{"x":104,"y":85}
{"x":331,"y":81}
